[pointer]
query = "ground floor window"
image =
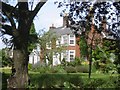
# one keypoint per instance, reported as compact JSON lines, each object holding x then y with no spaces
{"x":72,"y":55}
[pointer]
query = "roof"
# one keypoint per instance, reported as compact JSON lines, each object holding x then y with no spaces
{"x":61,"y":31}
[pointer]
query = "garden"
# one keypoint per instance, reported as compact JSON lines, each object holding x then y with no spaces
{"x":69,"y":75}
{"x":96,"y":24}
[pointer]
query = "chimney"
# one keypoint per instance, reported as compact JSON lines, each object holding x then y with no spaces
{"x":65,"y":20}
{"x":104,"y":23}
{"x":52,"y":27}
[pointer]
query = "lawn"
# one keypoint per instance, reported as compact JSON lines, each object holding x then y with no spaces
{"x":79,"y":80}
{"x":68,"y":80}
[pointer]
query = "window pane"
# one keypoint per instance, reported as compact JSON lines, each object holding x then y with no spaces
{"x":71,"y":41}
{"x":71,"y":57}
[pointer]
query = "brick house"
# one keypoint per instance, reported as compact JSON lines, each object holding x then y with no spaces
{"x":65,"y":38}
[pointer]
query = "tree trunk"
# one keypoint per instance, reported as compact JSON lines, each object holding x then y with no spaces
{"x":20,"y":79}
{"x":21,"y":42}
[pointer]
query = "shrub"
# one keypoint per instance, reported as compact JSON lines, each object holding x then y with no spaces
{"x":50,"y":69}
{"x":41,"y":69}
{"x":82,"y":69}
{"x":118,"y":69}
{"x":93,"y":83}
{"x":96,"y":64}
{"x":76,"y":81}
{"x":77,"y":61}
{"x":70,"y":69}
{"x":29,"y":66}
{"x":72,"y":63}
{"x":60,"y":69}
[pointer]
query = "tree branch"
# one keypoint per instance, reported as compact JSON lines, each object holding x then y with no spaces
{"x":8,"y":30}
{"x":6,"y":8}
{"x":37,"y":8}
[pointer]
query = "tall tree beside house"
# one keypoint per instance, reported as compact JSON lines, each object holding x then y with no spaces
{"x":83,"y":47}
{"x":88,"y":14}
{"x":20,"y":18}
{"x":48,"y":47}
{"x":43,"y":39}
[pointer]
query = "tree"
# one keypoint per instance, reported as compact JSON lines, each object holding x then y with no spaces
{"x":86,"y":14}
{"x":33,"y":39}
{"x":83,"y":47}
{"x":47,"y":41}
{"x":5,"y":59}
{"x":22,"y":16}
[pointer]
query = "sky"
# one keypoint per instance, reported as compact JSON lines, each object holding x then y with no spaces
{"x":49,"y":14}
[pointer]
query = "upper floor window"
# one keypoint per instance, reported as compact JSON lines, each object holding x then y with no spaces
{"x":72,"y":39}
{"x":65,"y":39}
{"x":48,"y":45}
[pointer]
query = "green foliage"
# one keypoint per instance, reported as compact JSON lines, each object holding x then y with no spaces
{"x":93,"y":83}
{"x":32,"y":38}
{"x":5,"y":76}
{"x":111,"y":82}
{"x":83,"y":46}
{"x":68,"y":80}
{"x":6,"y":60}
{"x":75,"y":81}
{"x":100,"y":54}
{"x":49,"y":39}
{"x":49,"y":69}
{"x":77,"y":61}
{"x":56,"y":81}
{"x":118,"y":69}
{"x":76,"y":69}
{"x":74,"y":63}
{"x":82,"y":69}
{"x":70,"y":69}
{"x":29,"y":66}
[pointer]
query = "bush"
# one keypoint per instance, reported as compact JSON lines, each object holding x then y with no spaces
{"x":96,"y":64}
{"x":93,"y":83}
{"x":57,"y":69}
{"x":118,"y":69}
{"x":29,"y":66}
{"x":77,"y":61}
{"x":56,"y":81}
{"x":72,"y":63}
{"x":41,"y":69}
{"x":82,"y":69}
{"x":70,"y":69}
{"x":50,"y":69}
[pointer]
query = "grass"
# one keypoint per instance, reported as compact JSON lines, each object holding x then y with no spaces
{"x":78,"y":79}
{"x":58,"y":80}
{"x":5,"y":70}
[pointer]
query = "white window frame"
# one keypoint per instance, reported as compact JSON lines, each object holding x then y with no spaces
{"x":72,"y":39}
{"x":48,"y":45}
{"x":58,"y":42}
{"x":63,"y":39}
{"x":73,"y":53}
